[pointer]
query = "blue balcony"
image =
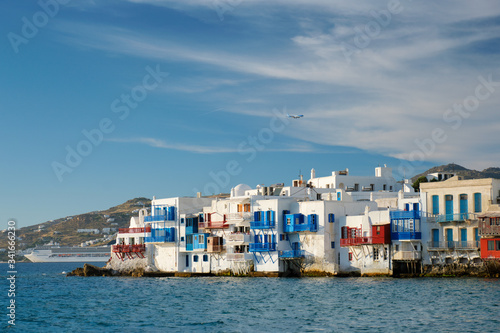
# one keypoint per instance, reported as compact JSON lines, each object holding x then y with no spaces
{"x":196,"y":242}
{"x":408,"y":235}
{"x":292,"y":254}
{"x":262,"y":224}
{"x":162,"y":235}
{"x":262,"y":247}
{"x":295,"y":223}
{"x":263,"y":220}
{"x":455,"y":217}
{"x":155,"y":218}
{"x":411,"y":214}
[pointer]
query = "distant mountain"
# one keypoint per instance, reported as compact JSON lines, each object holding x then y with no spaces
{"x":491,"y":172}
{"x":64,"y":230}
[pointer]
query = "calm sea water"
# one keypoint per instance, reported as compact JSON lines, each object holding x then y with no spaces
{"x":48,"y":301}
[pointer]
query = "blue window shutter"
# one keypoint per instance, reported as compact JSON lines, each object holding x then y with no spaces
{"x":272,"y":215}
{"x":256,"y":216}
{"x":435,"y":204}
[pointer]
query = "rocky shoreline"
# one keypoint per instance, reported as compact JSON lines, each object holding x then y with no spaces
{"x":489,"y":269}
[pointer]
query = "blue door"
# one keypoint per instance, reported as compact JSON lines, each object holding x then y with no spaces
{"x":449,"y":238}
{"x":464,"y":206}
{"x":449,"y":207}
{"x":435,"y":237}
{"x":435,"y":204}
{"x":463,"y":237}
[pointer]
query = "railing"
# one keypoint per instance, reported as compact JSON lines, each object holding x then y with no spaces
{"x":411,"y":214}
{"x":406,"y":235}
{"x":128,"y":248}
{"x":155,"y":218}
{"x":313,"y":227}
{"x":407,"y":255}
{"x":455,"y":217}
{"x":355,"y":241}
{"x":290,"y":254}
{"x":134,"y":230}
{"x":448,"y":245}
{"x":262,"y":224}
{"x":213,"y":225}
{"x":238,"y":237}
{"x":489,"y":230}
{"x":215,"y":248}
{"x":262,"y":247}
{"x":239,"y":217}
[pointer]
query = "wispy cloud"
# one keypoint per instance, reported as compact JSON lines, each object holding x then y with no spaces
{"x":158,"y":143}
{"x":394,"y":92}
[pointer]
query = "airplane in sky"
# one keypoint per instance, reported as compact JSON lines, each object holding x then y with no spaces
{"x":294,"y":116}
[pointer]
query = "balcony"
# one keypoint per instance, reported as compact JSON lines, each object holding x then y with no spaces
{"x":239,"y":256}
{"x":215,"y":248}
{"x":158,"y":218}
{"x":163,"y":235}
{"x":262,"y":247}
{"x":134,"y":230}
{"x":236,"y":218}
{"x":262,"y":224}
{"x":213,"y":225}
{"x":489,"y":230}
{"x":402,"y":236}
{"x":292,"y":254}
{"x":407,"y":255}
{"x":453,"y":245}
{"x":312,"y":227}
{"x":461,"y":217}
{"x":400,"y":215}
{"x":355,"y":241}
{"x":238,"y":238}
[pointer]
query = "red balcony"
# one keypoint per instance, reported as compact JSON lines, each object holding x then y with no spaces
{"x":122,"y":250}
{"x":356,"y":241}
{"x":134,"y":230}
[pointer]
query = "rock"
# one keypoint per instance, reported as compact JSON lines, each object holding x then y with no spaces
{"x":91,"y":270}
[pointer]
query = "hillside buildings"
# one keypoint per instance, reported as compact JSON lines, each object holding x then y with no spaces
{"x":333,"y":225}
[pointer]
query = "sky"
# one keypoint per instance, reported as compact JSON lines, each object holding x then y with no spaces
{"x":105,"y":101}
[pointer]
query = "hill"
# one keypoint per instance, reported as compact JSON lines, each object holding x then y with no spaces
{"x":491,"y":172}
{"x":64,"y":230}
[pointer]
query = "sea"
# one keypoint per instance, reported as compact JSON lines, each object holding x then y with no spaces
{"x":48,"y":301}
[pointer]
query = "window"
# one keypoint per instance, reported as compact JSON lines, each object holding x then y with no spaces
{"x":202,"y":239}
{"x":331,"y":218}
{"x":182,"y":239}
{"x":187,"y":261}
{"x":288,"y":221}
{"x":376,"y":256}
{"x":356,"y":187}
{"x":385,"y":187}
{"x":247,"y":208}
{"x":396,"y":247}
{"x":390,"y":188}
{"x":333,"y":245}
{"x":491,"y":245}
{"x":195,"y":258}
{"x":182,"y":220}
{"x":205,"y":257}
{"x":498,"y":245}
{"x":350,"y":256}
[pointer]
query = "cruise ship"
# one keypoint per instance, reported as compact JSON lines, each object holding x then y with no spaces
{"x":69,"y":254}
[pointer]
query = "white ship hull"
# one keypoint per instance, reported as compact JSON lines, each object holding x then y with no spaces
{"x":70,"y":254}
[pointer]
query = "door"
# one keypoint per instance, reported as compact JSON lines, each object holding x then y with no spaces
{"x":463,"y":237}
{"x":435,"y":237}
{"x":464,"y":206}
{"x":449,"y":207}
{"x":449,"y":238}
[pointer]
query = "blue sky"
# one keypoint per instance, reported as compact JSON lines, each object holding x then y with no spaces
{"x":191,"y":95}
